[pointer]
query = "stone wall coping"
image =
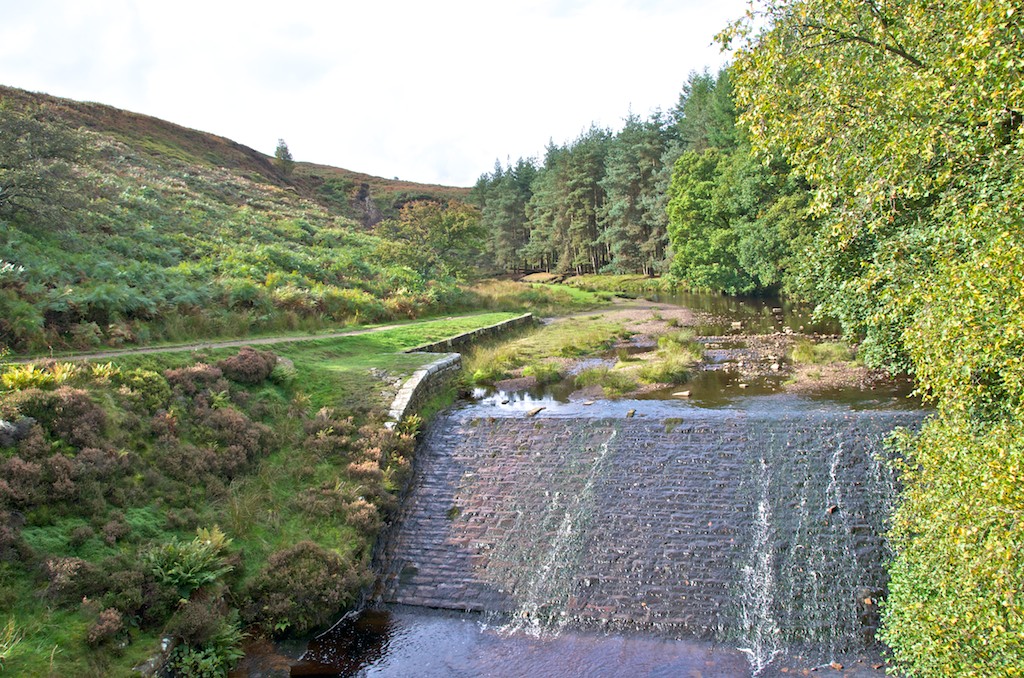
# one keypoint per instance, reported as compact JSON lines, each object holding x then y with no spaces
{"x":415,"y":384}
{"x":465,"y":337}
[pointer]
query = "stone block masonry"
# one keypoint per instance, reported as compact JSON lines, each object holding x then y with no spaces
{"x":761,"y":529}
{"x":424,"y":384}
{"x":434,"y":378}
{"x":461,"y":341}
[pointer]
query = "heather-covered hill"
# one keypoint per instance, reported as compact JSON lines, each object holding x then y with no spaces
{"x":118,"y":228}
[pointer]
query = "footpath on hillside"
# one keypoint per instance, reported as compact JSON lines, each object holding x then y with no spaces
{"x":227,"y":343}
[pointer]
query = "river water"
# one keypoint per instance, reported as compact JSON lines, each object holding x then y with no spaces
{"x":736,"y":533}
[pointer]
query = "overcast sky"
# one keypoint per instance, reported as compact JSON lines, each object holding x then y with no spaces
{"x":427,"y":90}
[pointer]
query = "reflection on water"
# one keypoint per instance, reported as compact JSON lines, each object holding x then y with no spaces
{"x":408,"y":642}
{"x":756,"y":315}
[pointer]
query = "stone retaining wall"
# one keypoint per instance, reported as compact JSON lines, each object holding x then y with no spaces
{"x":424,"y":384}
{"x":466,"y":338}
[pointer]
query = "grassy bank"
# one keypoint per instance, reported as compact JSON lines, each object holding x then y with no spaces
{"x":281,"y":466}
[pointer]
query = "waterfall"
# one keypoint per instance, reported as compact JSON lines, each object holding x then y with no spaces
{"x":544,"y":589}
{"x":757,"y":619}
{"x":759,"y":529}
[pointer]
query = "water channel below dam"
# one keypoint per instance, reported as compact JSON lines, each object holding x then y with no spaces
{"x":673,"y":540}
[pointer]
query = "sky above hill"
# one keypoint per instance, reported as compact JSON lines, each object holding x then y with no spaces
{"x":430,"y":91}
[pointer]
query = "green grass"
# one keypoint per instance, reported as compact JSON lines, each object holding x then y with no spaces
{"x":542,"y":299}
{"x":613,"y":382}
{"x":810,"y":353}
{"x":544,"y":373}
{"x":623,"y":285}
{"x":569,"y":338}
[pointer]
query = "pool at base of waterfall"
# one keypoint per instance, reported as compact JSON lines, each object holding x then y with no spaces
{"x":401,"y":642}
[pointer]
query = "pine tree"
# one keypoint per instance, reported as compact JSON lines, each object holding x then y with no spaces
{"x":284,"y":160}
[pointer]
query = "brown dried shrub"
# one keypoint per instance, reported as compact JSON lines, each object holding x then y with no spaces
{"x":58,"y":474}
{"x":116,"y":529}
{"x":390,"y":443}
{"x":164,"y":424}
{"x":80,"y":422}
{"x":34,"y":446}
{"x":10,"y":535}
{"x":21,"y":483}
{"x":365,"y":471}
{"x":80,"y":535}
{"x":363,"y":516}
{"x":195,"y":378}
{"x":249,"y":366}
{"x":109,"y":623}
{"x":71,"y":579}
{"x":198,"y":620}
{"x":230,"y":427}
{"x":184,"y":461}
{"x":66,"y":413}
{"x":326,"y":501}
{"x":327,"y":435}
{"x":102,"y":464}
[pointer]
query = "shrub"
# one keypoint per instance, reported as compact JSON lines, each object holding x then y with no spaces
{"x":70,"y":579}
{"x":301,"y":589}
{"x":80,"y":535}
{"x":105,"y":628}
{"x":195,"y":379}
{"x":80,"y":421}
{"x":328,"y":435}
{"x":58,"y":472}
{"x":363,"y":516}
{"x":34,"y":445}
{"x":210,"y":640}
{"x":67,"y":413}
{"x":115,"y":530}
{"x":231,"y":428}
{"x":249,"y":366}
{"x":101,"y":465}
{"x":368,"y":471}
{"x":327,"y":500}
{"x":21,"y":483}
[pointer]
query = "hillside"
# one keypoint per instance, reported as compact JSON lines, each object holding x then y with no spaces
{"x":117,"y":227}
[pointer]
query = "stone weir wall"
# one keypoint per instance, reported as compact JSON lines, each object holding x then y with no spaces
{"x":434,"y":378}
{"x":764,"y":530}
{"x":461,"y":341}
{"x":424,"y":384}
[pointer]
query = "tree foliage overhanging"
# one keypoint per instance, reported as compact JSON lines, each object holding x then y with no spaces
{"x":907,"y":121}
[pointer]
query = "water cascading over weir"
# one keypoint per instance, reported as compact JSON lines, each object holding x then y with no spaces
{"x":760,"y":528}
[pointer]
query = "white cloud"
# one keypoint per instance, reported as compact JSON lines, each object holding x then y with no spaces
{"x":431,"y":92}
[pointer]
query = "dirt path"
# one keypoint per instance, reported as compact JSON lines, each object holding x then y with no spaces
{"x":231,"y":343}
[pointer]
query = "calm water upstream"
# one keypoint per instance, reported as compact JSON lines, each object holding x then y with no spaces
{"x":735,"y":533}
